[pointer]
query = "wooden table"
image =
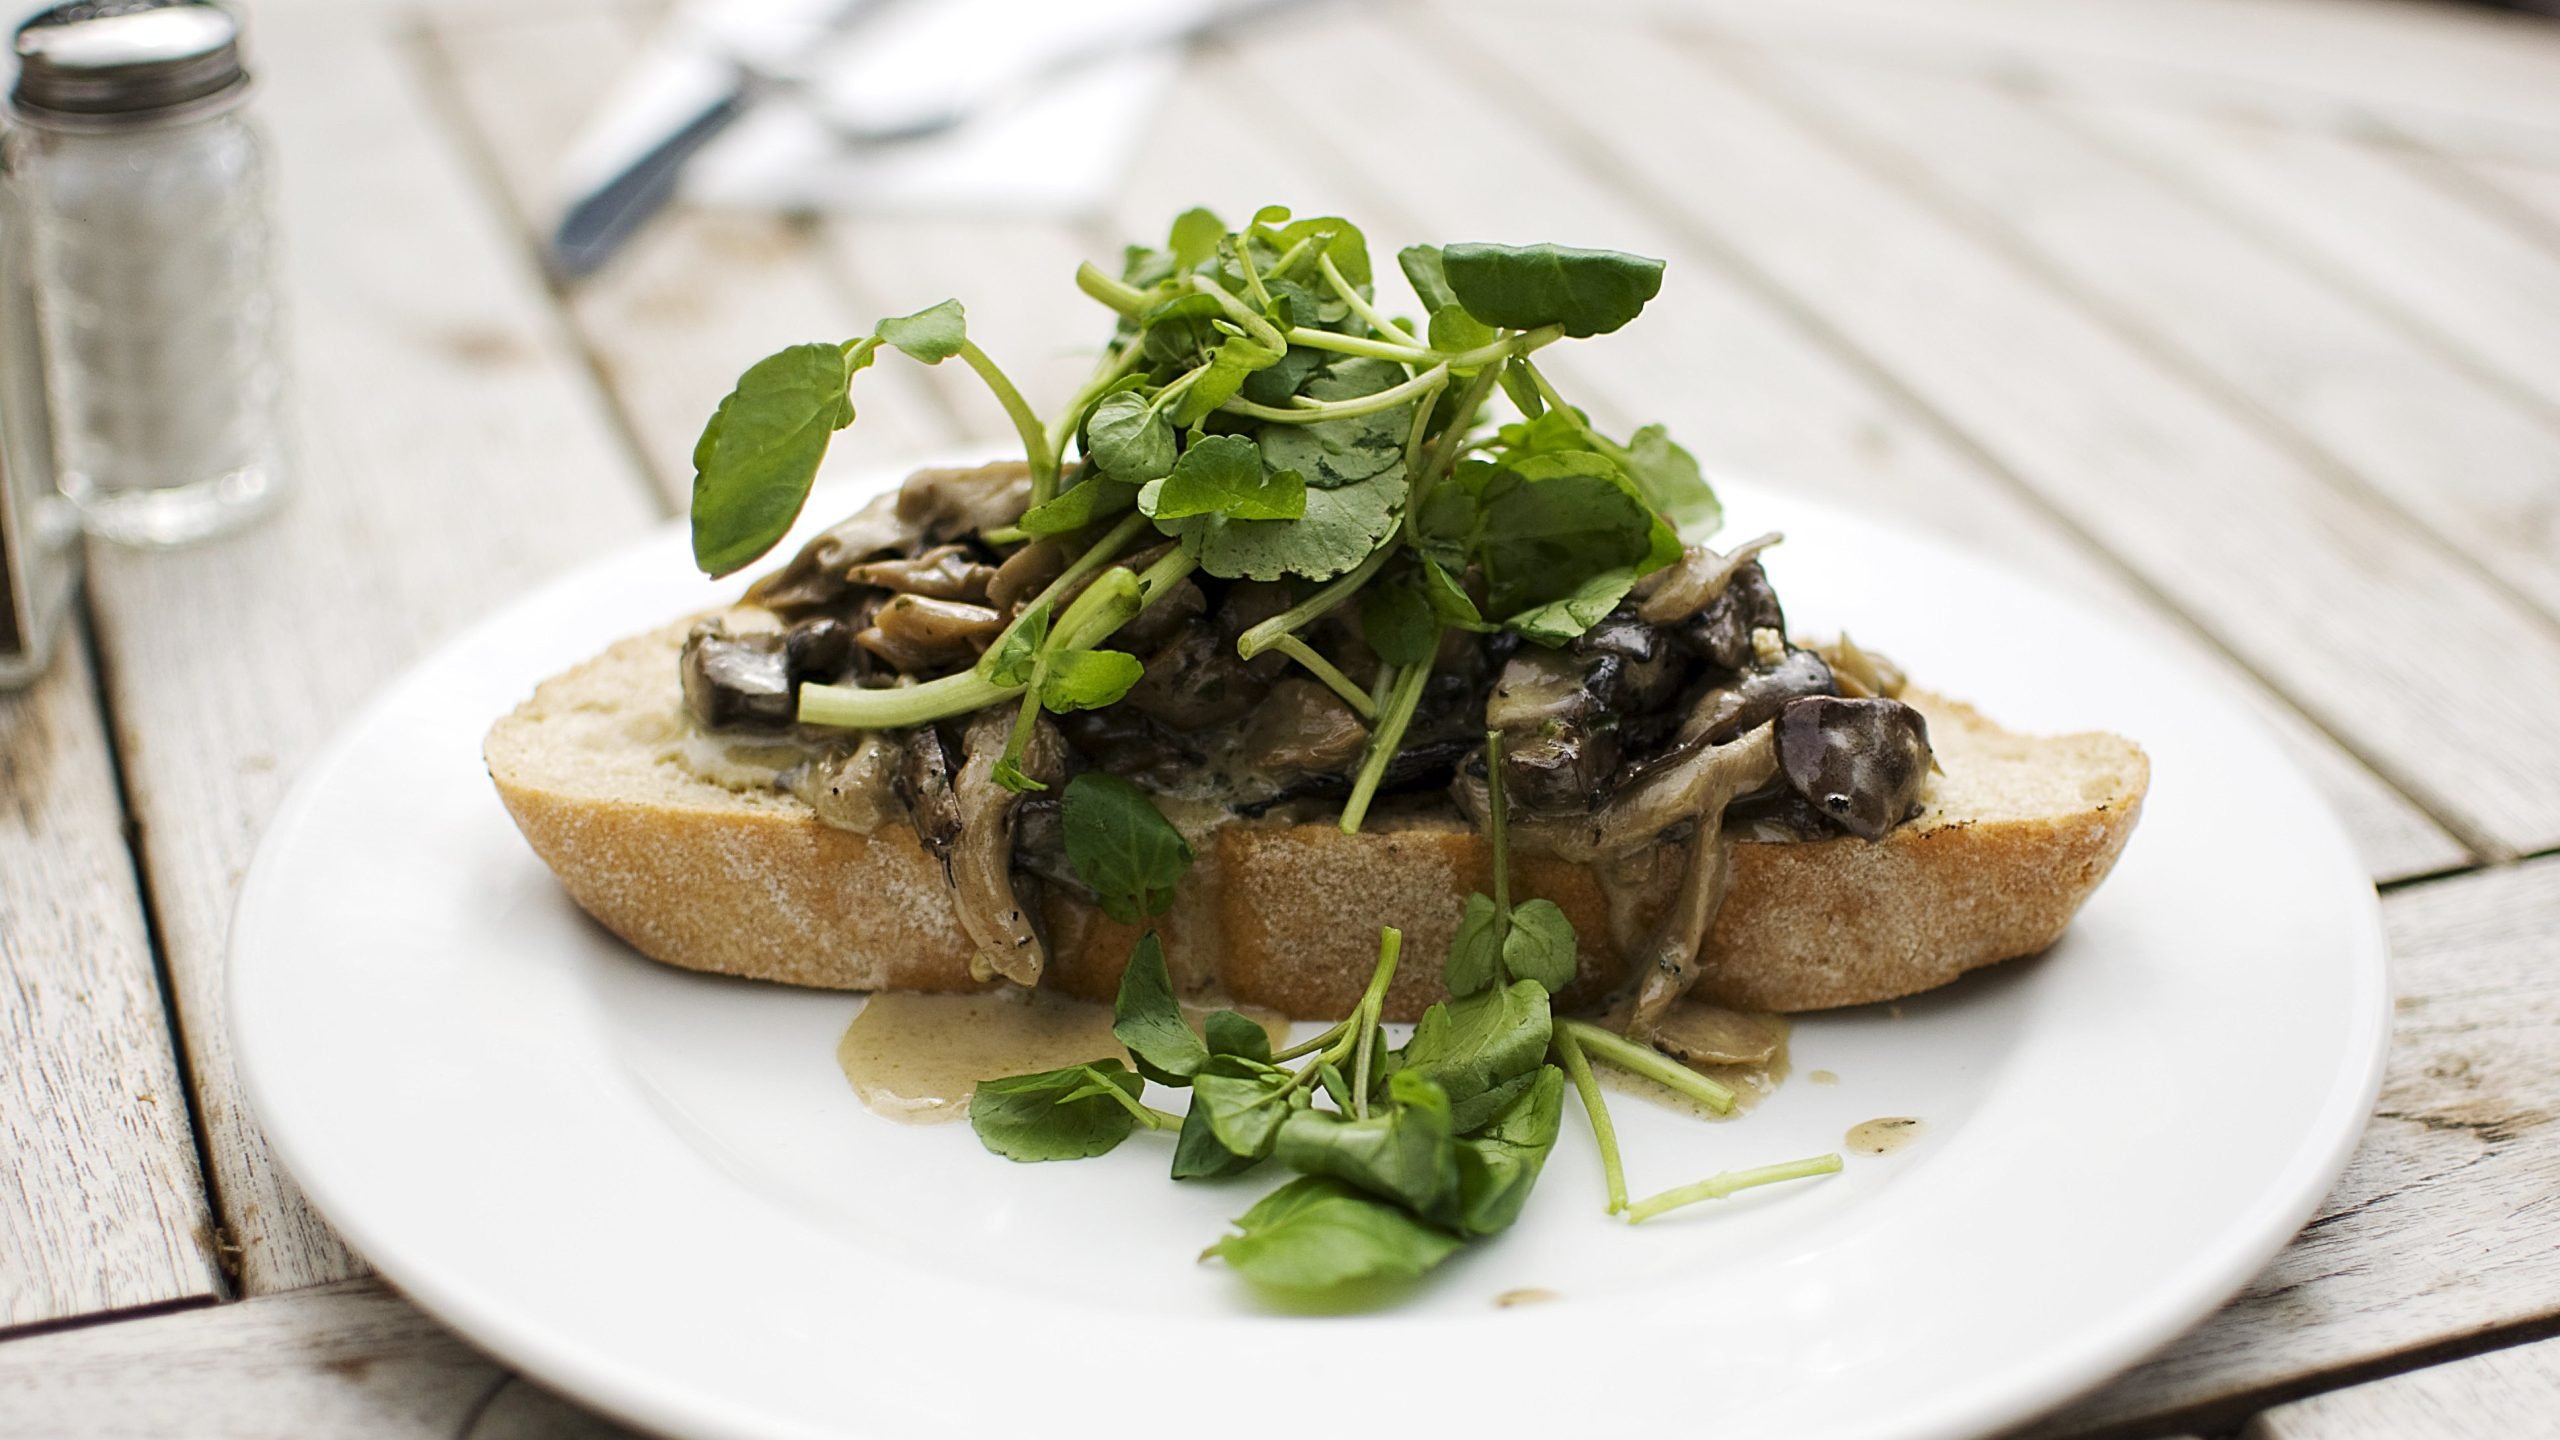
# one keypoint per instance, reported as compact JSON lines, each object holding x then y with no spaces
{"x":2240,"y":318}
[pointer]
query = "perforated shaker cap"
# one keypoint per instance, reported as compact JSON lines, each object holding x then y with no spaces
{"x":124,"y":62}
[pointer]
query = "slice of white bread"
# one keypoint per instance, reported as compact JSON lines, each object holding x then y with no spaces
{"x":2015,"y":836}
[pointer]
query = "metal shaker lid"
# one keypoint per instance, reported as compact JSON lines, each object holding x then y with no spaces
{"x":121,"y":62}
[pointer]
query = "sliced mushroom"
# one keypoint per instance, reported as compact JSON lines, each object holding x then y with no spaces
{"x":818,"y":648}
{"x":1863,"y":674}
{"x":1174,"y":610}
{"x":1555,"y":753}
{"x":945,"y":505}
{"x":1860,"y":762}
{"x":1631,"y":667}
{"x":919,"y":635}
{"x":1695,"y":580}
{"x":923,"y":781}
{"x":814,"y":579}
{"x":736,"y":680}
{"x":1305,"y":727}
{"x":945,"y":572}
{"x":1668,"y":964}
{"x":1025,"y":573}
{"x":1125,"y":743}
{"x":980,"y":863}
{"x":1196,"y":681}
{"x":1753,"y":698}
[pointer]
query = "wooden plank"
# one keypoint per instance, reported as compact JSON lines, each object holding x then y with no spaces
{"x":107,"y":1210}
{"x":696,"y":296}
{"x":2355,"y":398}
{"x":454,"y":453}
{"x":2505,"y":1392}
{"x":346,"y":1359}
{"x":2470,"y":80}
{"x":2482,"y":293}
{"x":2380,"y":637}
{"x":1755,"y":387}
{"x":2443,"y":1230}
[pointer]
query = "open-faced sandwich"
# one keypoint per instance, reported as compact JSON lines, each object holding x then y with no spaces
{"x":1270,"y":640}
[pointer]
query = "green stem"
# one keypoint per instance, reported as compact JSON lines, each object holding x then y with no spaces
{"x":1161,"y":1119}
{"x":1303,"y":411}
{"x":1100,"y":553}
{"x":1603,"y":1130}
{"x":1359,"y":303}
{"x":1035,"y":436}
{"x":1650,"y":1063}
{"x":1716,"y":1187}
{"x":1019,"y":742}
{"x":1269,"y":633}
{"x":1342,"y":344}
{"x":1084,"y":629}
{"x":1253,"y":321}
{"x":1120,"y":295}
{"x":1547,"y":392}
{"x":1309,"y":1047}
{"x":1390,"y":946}
{"x":1252,"y":279}
{"x":1444,"y":451}
{"x":1384,"y":740}
{"x":1326,"y":671}
{"x":1289,"y":258}
{"x":845,"y":707}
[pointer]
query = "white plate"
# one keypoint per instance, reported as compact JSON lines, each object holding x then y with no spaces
{"x":654,"y":1190}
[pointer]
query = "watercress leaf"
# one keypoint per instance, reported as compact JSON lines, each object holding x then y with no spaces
{"x":1096,"y":497}
{"x":1402,"y":1152}
{"x":1471,"y":1044}
{"x":1541,"y":945}
{"x":1341,"y":452}
{"x":1397,"y":621}
{"x":1229,"y":1033}
{"x":1545,"y":432}
{"x":1568,"y":615}
{"x":1129,"y":438}
{"x":1423,"y":270}
{"x":1148,"y":1020}
{"x":1522,"y":390}
{"x":1235,"y":358}
{"x":1224,"y":475}
{"x":1245,"y":1100}
{"x":1270,"y":216}
{"x":1056,"y":1114}
{"x":1016,"y":656}
{"x":1549,"y":522}
{"x":1342,"y":241}
{"x":1196,"y":233}
{"x":1119,"y":844}
{"x":1452,"y":328}
{"x":1336,"y":1087}
{"x":1341,"y":526}
{"x":1088,"y":679}
{"x":1477,"y":1111}
{"x":1275,"y":383}
{"x":1669,"y":479}
{"x":1316,"y":1234}
{"x":931,"y":335}
{"x":1477,"y":948}
{"x":1145,"y":268}
{"x":758,"y":454}
{"x":1522,"y":287}
{"x":1448,"y":599}
{"x":1198,"y":1154}
{"x":1498,"y":1168}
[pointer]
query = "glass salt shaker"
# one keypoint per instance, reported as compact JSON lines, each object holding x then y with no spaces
{"x":144,"y":191}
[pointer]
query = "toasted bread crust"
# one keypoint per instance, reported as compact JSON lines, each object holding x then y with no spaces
{"x":1287,"y":915}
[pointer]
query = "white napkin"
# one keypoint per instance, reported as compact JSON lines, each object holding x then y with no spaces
{"x":1042,"y":140}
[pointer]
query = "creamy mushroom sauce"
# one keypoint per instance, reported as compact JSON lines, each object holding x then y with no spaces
{"x":918,"y":1058}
